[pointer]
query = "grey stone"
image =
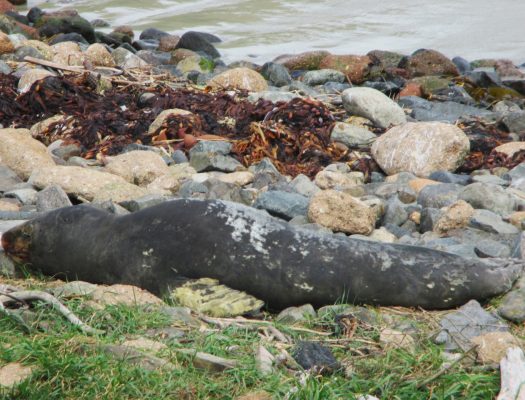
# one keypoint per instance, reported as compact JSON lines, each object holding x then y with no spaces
{"x":192,"y":189}
{"x":152,"y":34}
{"x":204,"y":161}
{"x":218,"y":189}
{"x":111,"y":207}
{"x":321,"y":76}
{"x":74,"y":289}
{"x":512,"y":305}
{"x":312,"y":355}
{"x":301,"y":88}
{"x":8,"y":178}
{"x":462,"y":250}
{"x":374,"y":105}
{"x":302,"y":185}
{"x":438,"y":196}
{"x":518,"y":247}
{"x":143,"y":202}
{"x":212,"y":363}
{"x":276,"y":74}
{"x":449,"y":177}
{"x":516,"y":176}
{"x":27,"y":51}
{"x":199,"y":42}
{"x":52,"y":197}
{"x":65,"y":151}
{"x":335,"y":87}
{"x":282,"y":204}
{"x":179,"y":157}
{"x":429,"y":217}
{"x":448,"y":111}
{"x":7,"y":266}
{"x":24,"y":196}
{"x":491,"y":222}
{"x":154,"y":57}
{"x":491,"y":248}
{"x":181,"y":316}
{"x":515,"y":122}
{"x":466,"y":323}
{"x":395,"y":212}
{"x":462,"y":65}
{"x":265,"y":165}
{"x":490,"y":179}
{"x":4,"y":68}
{"x":126,"y":59}
{"x":489,"y":197}
{"x":275,"y":96}
{"x":352,"y":135}
{"x":212,"y":146}
{"x":292,"y":315}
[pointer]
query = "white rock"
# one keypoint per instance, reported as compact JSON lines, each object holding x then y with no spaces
{"x":421,"y":148}
{"x":138,"y":167}
{"x":31,"y":76}
{"x":374,"y":105}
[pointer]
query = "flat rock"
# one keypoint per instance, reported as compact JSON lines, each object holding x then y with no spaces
{"x":125,"y":295}
{"x":75,"y":289}
{"x":240,"y":78}
{"x":146,"y":345}
{"x":373,"y":105}
{"x":21,"y":153}
{"x":87,"y":183}
{"x":99,"y":55}
{"x":137,"y":167}
{"x":337,"y":180}
{"x":205,"y":161}
{"x":282,"y":204}
{"x":31,"y":76}
{"x":8,"y":177}
{"x":355,"y":68}
{"x":509,"y":149}
{"x":429,"y":62}
{"x":455,"y":216}
{"x":469,"y":321}
{"x":493,"y":346}
{"x":292,"y":315}
{"x":14,"y":373}
{"x":321,"y":76}
{"x":488,"y":197}
{"x":351,"y":135}
{"x":51,"y":198}
{"x":491,"y":222}
{"x":392,"y":339}
{"x":341,"y":212}
{"x":421,"y":148}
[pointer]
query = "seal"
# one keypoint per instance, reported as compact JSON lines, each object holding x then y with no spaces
{"x":246,"y":249}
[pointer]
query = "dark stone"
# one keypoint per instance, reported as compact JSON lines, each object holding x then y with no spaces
{"x":197,"y":42}
{"x":449,"y":177}
{"x":282,"y":204}
{"x":4,"y":68}
{"x":107,"y":39}
{"x":462,"y":65}
{"x":68,"y":37}
{"x":429,"y":217}
{"x":34,"y":14}
{"x":454,"y":93}
{"x":25,"y":51}
{"x":147,"y":44}
{"x":8,"y":179}
{"x":51,"y":198}
{"x":518,"y":84}
{"x":171,"y":69}
{"x":154,"y":57}
{"x":276,"y":74}
{"x":152,"y":33}
{"x":128,"y":47}
{"x":143,"y":202}
{"x":335,"y":87}
{"x":312,"y":355}
{"x":485,"y":78}
{"x":438,"y":196}
{"x":99,"y":23}
{"x":387,"y":87}
{"x":515,"y":122}
{"x":17,"y":17}
{"x":210,"y":37}
{"x":179,"y":157}
{"x":54,"y":26}
{"x":121,"y":37}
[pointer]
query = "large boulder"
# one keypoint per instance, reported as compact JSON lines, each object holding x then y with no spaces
{"x":138,"y":167}
{"x":99,"y":55}
{"x":355,"y":68}
{"x":240,"y":78}
{"x":198,"y":41}
{"x":68,"y":53}
{"x":421,"y":148}
{"x":374,"y":105}
{"x":87,"y":183}
{"x":23,"y":154}
{"x":428,"y":62}
{"x":341,"y":212}
{"x":67,"y":24}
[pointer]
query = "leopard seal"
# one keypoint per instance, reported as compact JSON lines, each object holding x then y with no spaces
{"x":246,"y":249}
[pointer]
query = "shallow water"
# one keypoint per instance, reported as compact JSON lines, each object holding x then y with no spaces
{"x":264,"y":29}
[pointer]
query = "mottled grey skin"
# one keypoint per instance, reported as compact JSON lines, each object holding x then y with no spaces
{"x":248,"y":250}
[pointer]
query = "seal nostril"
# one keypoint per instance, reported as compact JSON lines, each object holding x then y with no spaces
{"x":6,"y":240}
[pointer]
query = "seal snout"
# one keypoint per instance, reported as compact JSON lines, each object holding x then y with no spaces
{"x":16,"y":244}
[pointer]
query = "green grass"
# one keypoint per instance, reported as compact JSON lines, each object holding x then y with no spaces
{"x":65,"y":370}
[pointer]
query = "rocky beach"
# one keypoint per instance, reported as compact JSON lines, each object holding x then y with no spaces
{"x":404,"y":149}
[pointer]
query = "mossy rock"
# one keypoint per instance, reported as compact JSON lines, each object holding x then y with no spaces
{"x":430,"y":84}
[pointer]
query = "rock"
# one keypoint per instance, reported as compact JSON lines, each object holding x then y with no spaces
{"x":146,"y":345}
{"x":21,"y":153}
{"x":4,"y":68}
{"x":337,"y":180}
{"x":312,"y":355}
{"x":264,"y":361}
{"x":204,"y":161}
{"x":355,"y":68}
{"x":455,"y":216}
{"x":239,"y":178}
{"x":52,"y":26}
{"x":341,"y":212}
{"x":98,"y":55}
{"x":173,"y":179}
{"x":351,"y":135}
{"x":292,"y":315}
{"x":212,"y":146}
{"x":374,"y":105}
{"x":7,"y":265}
{"x":198,"y":41}
{"x":446,"y":111}
{"x":6,"y":6}
{"x":509,"y":149}
{"x":273,"y":96}
{"x":135,"y":357}
{"x":30,"y":77}
{"x":515,"y":122}
{"x":489,"y":180}
{"x":209,"y":297}
{"x":12,"y":374}
{"x":488,"y":197}
{"x":8,"y":178}
{"x":491,"y":222}
{"x":391,"y":339}
{"x":152,"y":33}
{"x":26,"y":196}
{"x":168,"y":43}
{"x":7,"y":205}
{"x":68,"y":37}
{"x":418,"y":184}
{"x":125,"y":59}
{"x":240,"y":78}
{"x":512,"y":305}
{"x":262,"y":395}
{"x":382,"y":235}
{"x":190,"y":64}
{"x":137,"y":167}
{"x":493,"y":346}
{"x":276,"y":74}
{"x":517,"y":218}
{"x":74,"y":289}
{"x":181,"y":316}
{"x":428,"y":62}
{"x":282,"y":204}
{"x":309,"y":60}
{"x":124,"y":295}
{"x":469,"y":321}
{"x":68,"y":53}
{"x":212,"y":363}
{"x":421,"y":148}
{"x":86,"y":183}
{"x":321,"y":76}
{"x":302,"y":185}
{"x":6,"y":46}
{"x":491,"y":248}
{"x":143,"y":202}
{"x":448,"y":177}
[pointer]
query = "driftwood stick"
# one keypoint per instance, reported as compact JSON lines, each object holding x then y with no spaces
{"x":512,"y":368}
{"x":70,"y":68}
{"x":29,"y":295}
